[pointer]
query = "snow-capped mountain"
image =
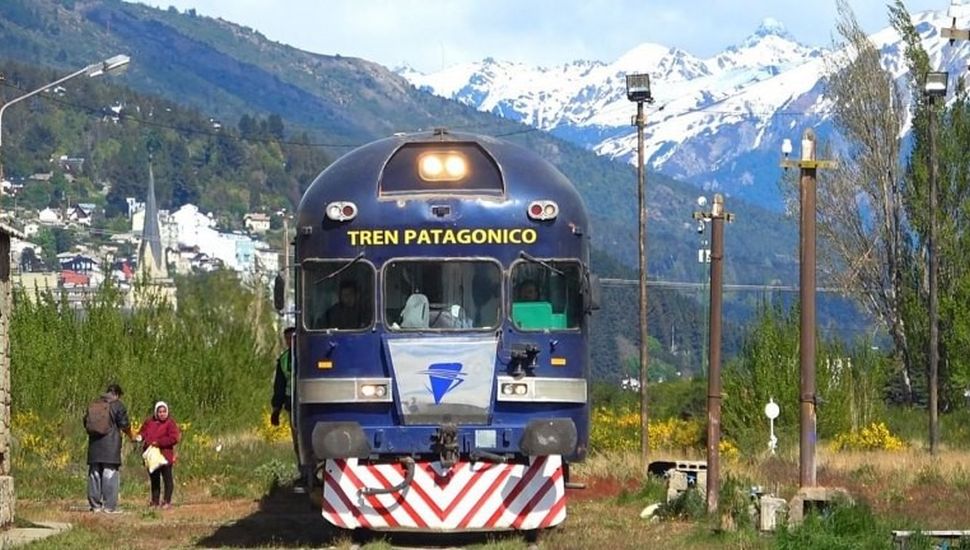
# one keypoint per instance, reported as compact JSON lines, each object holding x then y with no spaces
{"x":716,"y":122}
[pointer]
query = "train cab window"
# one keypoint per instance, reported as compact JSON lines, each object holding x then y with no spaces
{"x":546,"y":295}
{"x":442,"y":295}
{"x":338,"y":295}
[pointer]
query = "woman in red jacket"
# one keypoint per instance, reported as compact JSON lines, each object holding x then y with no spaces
{"x":161,"y":431}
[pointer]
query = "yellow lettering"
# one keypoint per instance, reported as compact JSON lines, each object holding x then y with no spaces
{"x":384,"y":237}
{"x":479,"y":236}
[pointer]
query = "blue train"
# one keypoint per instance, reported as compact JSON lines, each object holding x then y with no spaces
{"x":443,"y":293}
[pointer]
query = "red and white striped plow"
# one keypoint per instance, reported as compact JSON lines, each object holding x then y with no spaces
{"x":469,"y":496}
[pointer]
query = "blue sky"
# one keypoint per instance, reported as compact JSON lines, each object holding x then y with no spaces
{"x":431,"y":34}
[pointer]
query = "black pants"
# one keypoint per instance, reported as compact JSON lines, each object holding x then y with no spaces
{"x":164,"y":472}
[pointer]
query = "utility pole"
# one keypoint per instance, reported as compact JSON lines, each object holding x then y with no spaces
{"x":717,"y":216}
{"x":808,"y":167}
{"x":286,"y":253}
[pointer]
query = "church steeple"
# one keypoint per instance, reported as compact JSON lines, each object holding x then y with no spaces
{"x":151,"y":259}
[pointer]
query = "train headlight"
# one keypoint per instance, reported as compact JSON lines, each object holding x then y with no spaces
{"x":341,"y":211}
{"x":373,"y":391}
{"x":543,"y":210}
{"x":518,"y":389}
{"x":442,"y":166}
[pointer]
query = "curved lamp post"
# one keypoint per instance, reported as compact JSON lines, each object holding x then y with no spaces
{"x":112,"y":64}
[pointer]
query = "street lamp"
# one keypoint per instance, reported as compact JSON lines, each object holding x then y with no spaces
{"x":638,"y":90}
{"x":111,"y":64}
{"x":934,"y":87}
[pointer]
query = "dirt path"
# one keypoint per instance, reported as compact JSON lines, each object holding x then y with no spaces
{"x":280,"y":519}
{"x":284,"y":519}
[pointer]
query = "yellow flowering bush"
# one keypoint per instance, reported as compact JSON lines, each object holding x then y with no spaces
{"x":39,"y":441}
{"x":619,"y":430}
{"x":874,"y":437}
{"x":729,"y":451}
{"x":270,"y":433}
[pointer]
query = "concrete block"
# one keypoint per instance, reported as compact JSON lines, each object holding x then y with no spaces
{"x":809,"y":498}
{"x":686,"y":475}
{"x":772,"y":510}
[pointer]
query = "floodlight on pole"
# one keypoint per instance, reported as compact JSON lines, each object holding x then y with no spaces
{"x":638,"y":90}
{"x":111,"y":64}
{"x":934,"y":88}
{"x":936,"y":84}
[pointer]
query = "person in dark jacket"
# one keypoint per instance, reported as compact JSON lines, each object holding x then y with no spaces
{"x":283,"y":390}
{"x":104,"y":455}
{"x":160,"y":430}
{"x":283,"y":379}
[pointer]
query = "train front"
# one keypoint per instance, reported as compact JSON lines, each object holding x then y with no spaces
{"x":443,"y":293}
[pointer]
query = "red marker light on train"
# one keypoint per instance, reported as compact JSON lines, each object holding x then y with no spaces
{"x":543,"y":210}
{"x":341,"y":211}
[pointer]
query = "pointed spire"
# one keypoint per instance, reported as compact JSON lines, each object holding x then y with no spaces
{"x":150,"y":258}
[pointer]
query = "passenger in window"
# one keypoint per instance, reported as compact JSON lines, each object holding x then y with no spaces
{"x":347,"y":313}
{"x":527,"y":291}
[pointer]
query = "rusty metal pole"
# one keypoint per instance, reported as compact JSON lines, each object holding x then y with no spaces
{"x":717,"y":217}
{"x":934,"y":351}
{"x":642,"y":200}
{"x":806,"y":448}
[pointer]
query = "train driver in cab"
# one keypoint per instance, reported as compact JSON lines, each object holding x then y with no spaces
{"x":348,"y":312}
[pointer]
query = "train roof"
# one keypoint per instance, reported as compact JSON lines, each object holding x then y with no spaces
{"x":362,"y":175}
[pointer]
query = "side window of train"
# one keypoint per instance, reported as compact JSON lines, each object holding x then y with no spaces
{"x":440,"y":295}
{"x":546,"y":295}
{"x":337,"y":295}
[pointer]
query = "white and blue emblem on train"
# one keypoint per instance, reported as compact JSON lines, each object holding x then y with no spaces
{"x":443,"y":377}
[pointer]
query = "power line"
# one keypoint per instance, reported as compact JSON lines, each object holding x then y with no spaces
{"x":700,"y":286}
{"x":124,"y":115}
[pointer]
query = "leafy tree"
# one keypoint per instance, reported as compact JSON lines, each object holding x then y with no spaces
{"x":860,"y":208}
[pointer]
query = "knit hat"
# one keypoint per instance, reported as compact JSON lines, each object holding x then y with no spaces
{"x":159,"y":405}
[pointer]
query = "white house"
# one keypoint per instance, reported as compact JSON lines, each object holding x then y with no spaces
{"x":256,"y":222}
{"x":49,"y":216}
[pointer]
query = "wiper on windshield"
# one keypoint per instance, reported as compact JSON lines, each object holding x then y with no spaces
{"x":526,"y":256}
{"x":343,"y":268}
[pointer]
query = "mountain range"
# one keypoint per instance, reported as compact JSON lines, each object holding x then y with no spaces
{"x":227,"y":71}
{"x":717,"y":122}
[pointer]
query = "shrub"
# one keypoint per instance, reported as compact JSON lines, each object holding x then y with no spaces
{"x":874,"y":437}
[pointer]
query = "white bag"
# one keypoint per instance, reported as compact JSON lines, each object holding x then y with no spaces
{"x":153,"y":458}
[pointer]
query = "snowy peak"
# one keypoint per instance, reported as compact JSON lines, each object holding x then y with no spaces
{"x":717,"y":121}
{"x":769,"y":27}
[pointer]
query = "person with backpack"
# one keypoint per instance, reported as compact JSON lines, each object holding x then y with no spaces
{"x":160,"y":430}
{"x":105,"y":420}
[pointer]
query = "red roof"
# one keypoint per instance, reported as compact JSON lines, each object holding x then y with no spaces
{"x":74,"y":278}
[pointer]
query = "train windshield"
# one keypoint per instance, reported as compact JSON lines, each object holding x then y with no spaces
{"x":444,"y":295}
{"x":338,"y":295}
{"x":547,"y":295}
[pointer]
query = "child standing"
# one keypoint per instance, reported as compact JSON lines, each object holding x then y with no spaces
{"x":161,"y":431}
